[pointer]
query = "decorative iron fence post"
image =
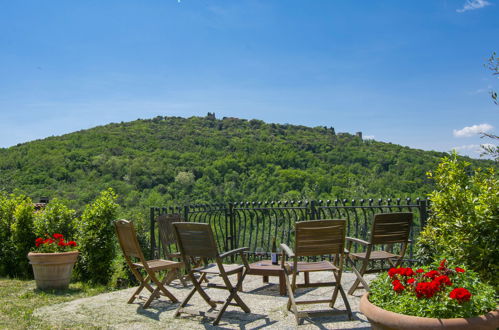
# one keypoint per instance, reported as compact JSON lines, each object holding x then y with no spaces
{"x":423,"y":211}
{"x":230,"y":218}
{"x":186,"y":213}
{"x":313,"y":211}
{"x":153,"y":237}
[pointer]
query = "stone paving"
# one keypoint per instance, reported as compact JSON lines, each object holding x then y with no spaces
{"x":268,"y":309}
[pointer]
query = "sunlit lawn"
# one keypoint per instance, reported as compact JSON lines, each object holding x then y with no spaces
{"x":19,"y":298}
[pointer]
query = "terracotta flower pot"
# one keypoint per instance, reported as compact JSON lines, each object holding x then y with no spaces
{"x":383,"y":319}
{"x":52,"y":270}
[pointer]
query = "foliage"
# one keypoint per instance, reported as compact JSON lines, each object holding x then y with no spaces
{"x":443,"y":292}
{"x":493,"y":65}
{"x":22,"y":236}
{"x":490,"y":149}
{"x":54,"y":243}
{"x":8,"y":205}
{"x":55,"y":217}
{"x":172,"y":160}
{"x":463,"y":224}
{"x":97,"y":239}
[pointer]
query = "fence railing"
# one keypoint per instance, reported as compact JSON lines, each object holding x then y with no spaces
{"x":256,"y":224}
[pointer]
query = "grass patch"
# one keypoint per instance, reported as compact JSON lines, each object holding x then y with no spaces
{"x":19,"y":298}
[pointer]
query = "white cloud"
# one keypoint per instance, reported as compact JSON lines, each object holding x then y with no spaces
{"x":472,"y":130}
{"x":368,"y":137}
{"x":473,"y":4}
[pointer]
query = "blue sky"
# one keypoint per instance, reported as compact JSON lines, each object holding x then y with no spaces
{"x":406,"y":72}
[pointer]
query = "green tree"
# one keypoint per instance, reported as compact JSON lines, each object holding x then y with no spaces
{"x":490,"y":149}
{"x":96,"y":239}
{"x":464,"y":222}
{"x":23,"y":238}
{"x":8,"y":204}
{"x":55,"y":217}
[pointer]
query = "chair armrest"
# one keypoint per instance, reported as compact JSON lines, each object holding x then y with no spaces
{"x":232,"y":252}
{"x":356,"y":240}
{"x":287,"y":250}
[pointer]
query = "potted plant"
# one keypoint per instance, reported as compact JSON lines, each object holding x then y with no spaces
{"x":439,"y":297}
{"x":52,"y":260}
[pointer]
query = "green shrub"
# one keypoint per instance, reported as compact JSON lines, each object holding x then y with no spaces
{"x":96,"y":239}
{"x":55,"y":217}
{"x":23,"y":238}
{"x":7,"y":251}
{"x":464,"y":220}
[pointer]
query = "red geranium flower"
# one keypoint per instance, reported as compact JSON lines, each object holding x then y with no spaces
{"x":443,"y":279}
{"x":460,"y":294}
{"x":411,"y":281}
{"x":432,"y":274}
{"x":420,"y":270}
{"x":58,"y":236}
{"x":427,"y":289}
{"x":406,"y":272}
{"x":459,"y":270}
{"x":397,"y":286}
{"x":392,"y":272}
{"x":54,"y":243}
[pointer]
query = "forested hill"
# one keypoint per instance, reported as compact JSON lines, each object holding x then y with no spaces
{"x":172,"y":159}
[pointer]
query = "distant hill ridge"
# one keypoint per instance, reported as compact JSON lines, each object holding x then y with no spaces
{"x":203,"y":159}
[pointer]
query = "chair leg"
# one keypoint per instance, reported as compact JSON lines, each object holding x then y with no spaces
{"x":155,"y":294}
{"x":143,"y":283}
{"x":233,"y":295}
{"x":233,"y":291}
{"x":291,"y":306}
{"x":347,"y":304}
{"x":170,"y":276}
{"x":360,"y":277}
{"x":197,"y":286}
{"x":336,"y":288}
{"x":159,"y":287}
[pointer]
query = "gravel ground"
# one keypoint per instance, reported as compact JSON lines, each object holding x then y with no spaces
{"x":268,"y":309}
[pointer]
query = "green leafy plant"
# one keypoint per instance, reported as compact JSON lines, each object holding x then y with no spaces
{"x":22,"y":236}
{"x":7,"y":251}
{"x":55,"y":217}
{"x":97,"y":239}
{"x":54,"y":243}
{"x":439,"y":291}
{"x":464,"y":219}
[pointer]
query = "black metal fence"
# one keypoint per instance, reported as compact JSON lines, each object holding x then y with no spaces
{"x":256,"y":224}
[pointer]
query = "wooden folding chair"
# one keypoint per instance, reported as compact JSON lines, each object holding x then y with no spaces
{"x":134,"y":257}
{"x":195,"y":240}
{"x":169,"y":242}
{"x":387,"y":229}
{"x":316,"y":238}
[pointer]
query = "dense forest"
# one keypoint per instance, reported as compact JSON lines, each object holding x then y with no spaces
{"x":167,"y":160}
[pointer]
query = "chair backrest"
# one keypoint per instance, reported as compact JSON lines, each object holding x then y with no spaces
{"x":166,"y":233}
{"x":195,"y":239}
{"x":391,"y":228}
{"x":319,"y":237}
{"x":127,"y":238}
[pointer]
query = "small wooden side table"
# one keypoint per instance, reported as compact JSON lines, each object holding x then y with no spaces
{"x":266,"y":269}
